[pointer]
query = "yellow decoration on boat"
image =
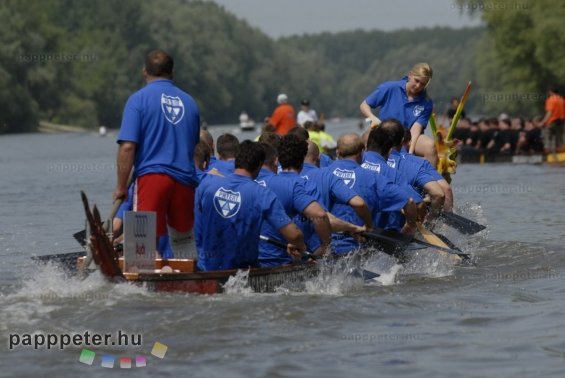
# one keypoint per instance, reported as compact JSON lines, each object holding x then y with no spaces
{"x":445,"y":145}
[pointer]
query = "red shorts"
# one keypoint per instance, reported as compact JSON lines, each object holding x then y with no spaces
{"x":172,"y":201}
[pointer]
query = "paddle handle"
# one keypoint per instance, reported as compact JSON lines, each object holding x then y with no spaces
{"x":280,"y":244}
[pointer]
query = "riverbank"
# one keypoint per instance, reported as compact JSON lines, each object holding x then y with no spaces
{"x":52,"y":128}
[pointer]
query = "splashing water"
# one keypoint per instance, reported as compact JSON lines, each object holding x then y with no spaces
{"x":238,"y":284}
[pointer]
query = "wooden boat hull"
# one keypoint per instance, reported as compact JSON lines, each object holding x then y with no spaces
{"x":261,"y":280}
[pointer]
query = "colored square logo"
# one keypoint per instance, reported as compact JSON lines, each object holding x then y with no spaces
{"x":125,"y":363}
{"x":159,"y":350}
{"x":107,"y":361}
{"x":140,"y":361}
{"x":87,"y":357}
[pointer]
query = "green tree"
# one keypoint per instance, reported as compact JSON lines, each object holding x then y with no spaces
{"x":521,"y":55}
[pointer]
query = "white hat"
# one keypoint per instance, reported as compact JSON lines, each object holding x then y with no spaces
{"x":282,"y":98}
{"x":503,"y":116}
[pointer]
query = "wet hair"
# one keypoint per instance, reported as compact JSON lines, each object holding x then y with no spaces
{"x":202,"y":152}
{"x":270,"y":138}
{"x":251,"y":156}
{"x":227,"y":146}
{"x":271,"y":153}
{"x":159,"y":64}
{"x":389,"y":134}
{"x":300,"y":132}
{"x":292,"y":151}
{"x":422,"y":70}
{"x":207,"y":138}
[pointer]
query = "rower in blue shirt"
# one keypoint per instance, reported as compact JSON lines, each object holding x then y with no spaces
{"x":227,"y":146}
{"x":229,"y":212}
{"x":297,"y":199}
{"x":330,"y":190}
{"x":380,"y":194}
{"x":418,"y":177}
{"x":379,"y":145}
{"x":430,"y":170}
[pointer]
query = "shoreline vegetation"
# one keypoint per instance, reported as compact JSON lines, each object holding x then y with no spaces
{"x":54,"y":128}
{"x":76,"y":63}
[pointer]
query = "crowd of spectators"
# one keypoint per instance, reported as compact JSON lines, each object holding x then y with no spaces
{"x":500,"y":136}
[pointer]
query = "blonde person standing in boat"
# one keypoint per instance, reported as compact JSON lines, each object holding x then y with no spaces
{"x":407,"y":101}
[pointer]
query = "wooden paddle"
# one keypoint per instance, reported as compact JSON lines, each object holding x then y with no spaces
{"x":365,"y":274}
{"x":404,"y":240}
{"x":440,"y":246}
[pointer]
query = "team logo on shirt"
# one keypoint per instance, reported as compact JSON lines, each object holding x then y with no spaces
{"x":418,"y":109}
{"x":262,"y":183}
{"x":347,"y":176}
{"x":172,"y":107}
{"x":391,"y":163}
{"x":371,"y":166}
{"x":227,"y":202}
{"x":305,"y":177}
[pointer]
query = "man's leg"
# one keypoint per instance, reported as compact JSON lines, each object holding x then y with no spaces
{"x":152,"y":194}
{"x":180,"y":219}
{"x":426,"y":148}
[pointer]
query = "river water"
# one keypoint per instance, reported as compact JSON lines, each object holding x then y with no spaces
{"x":505,"y":317}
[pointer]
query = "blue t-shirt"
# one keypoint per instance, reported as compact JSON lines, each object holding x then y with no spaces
{"x":225,"y":167}
{"x":426,"y":165}
{"x":325,"y":160}
{"x":164,"y":122}
{"x":412,"y":169}
{"x":229,"y":212}
{"x":380,"y":194}
{"x":390,"y":220}
{"x":295,"y":196}
{"x":330,"y":188}
{"x":392,"y":98}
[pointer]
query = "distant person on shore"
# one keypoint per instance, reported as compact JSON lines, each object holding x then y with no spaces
{"x":554,"y":118}
{"x":230,"y":212}
{"x":160,"y":129}
{"x":306,"y":114}
{"x":283,"y":117}
{"x":407,"y":101}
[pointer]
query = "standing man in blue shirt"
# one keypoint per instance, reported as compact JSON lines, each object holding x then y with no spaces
{"x":160,"y":129}
{"x":407,"y":101}
{"x":229,"y":213}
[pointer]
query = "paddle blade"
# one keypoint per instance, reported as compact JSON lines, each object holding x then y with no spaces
{"x":462,"y":224}
{"x":363,"y":273}
{"x":80,"y":237}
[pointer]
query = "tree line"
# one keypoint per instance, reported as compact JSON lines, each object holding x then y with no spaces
{"x":76,"y":63}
